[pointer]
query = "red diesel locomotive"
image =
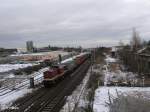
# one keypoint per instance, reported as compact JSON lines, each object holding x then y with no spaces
{"x":57,"y":72}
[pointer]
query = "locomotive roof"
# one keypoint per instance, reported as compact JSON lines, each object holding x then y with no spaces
{"x":72,"y":58}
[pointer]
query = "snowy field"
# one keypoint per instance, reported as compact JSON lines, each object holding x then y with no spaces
{"x":102,"y":95}
{"x":8,"y":67}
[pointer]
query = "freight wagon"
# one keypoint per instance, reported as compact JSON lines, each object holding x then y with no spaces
{"x":60,"y":71}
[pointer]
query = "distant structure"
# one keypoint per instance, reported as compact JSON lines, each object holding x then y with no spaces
{"x":53,"y":55}
{"x":114,"y":51}
{"x":29,"y":46}
{"x":5,"y":52}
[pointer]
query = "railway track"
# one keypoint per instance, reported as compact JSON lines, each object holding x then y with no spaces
{"x":52,"y":104}
{"x":51,"y":99}
{"x":10,"y":88}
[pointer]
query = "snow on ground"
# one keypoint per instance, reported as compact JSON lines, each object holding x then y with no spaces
{"x":119,"y":76}
{"x":8,"y":67}
{"x":78,"y":96}
{"x":113,"y":74}
{"x":10,"y":75}
{"x":102,"y":95}
{"x":109,"y":59}
{"x":6,"y":102}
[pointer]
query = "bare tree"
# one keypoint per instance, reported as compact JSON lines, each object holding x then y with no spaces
{"x":135,"y":41}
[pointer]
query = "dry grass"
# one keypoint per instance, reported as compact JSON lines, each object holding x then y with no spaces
{"x":114,"y":67}
{"x":99,"y":59}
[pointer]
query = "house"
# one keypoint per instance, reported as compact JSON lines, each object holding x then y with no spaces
{"x":144,"y":60}
{"x":114,"y":51}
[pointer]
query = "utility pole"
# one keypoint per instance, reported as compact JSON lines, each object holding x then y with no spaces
{"x":91,"y":60}
{"x":31,"y":82}
{"x":143,"y":81}
{"x":59,"y":58}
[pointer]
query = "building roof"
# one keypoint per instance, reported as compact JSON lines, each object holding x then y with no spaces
{"x":145,"y":50}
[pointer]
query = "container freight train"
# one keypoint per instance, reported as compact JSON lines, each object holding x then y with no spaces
{"x":59,"y":71}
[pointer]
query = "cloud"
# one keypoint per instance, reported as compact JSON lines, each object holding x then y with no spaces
{"x":73,"y":22}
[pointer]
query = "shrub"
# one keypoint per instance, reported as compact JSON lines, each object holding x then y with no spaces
{"x":129,"y":103}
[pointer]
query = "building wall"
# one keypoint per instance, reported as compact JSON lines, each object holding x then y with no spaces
{"x":29,"y":45}
{"x":40,"y":56}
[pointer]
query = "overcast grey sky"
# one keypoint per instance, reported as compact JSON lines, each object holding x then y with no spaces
{"x":72,"y":22}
